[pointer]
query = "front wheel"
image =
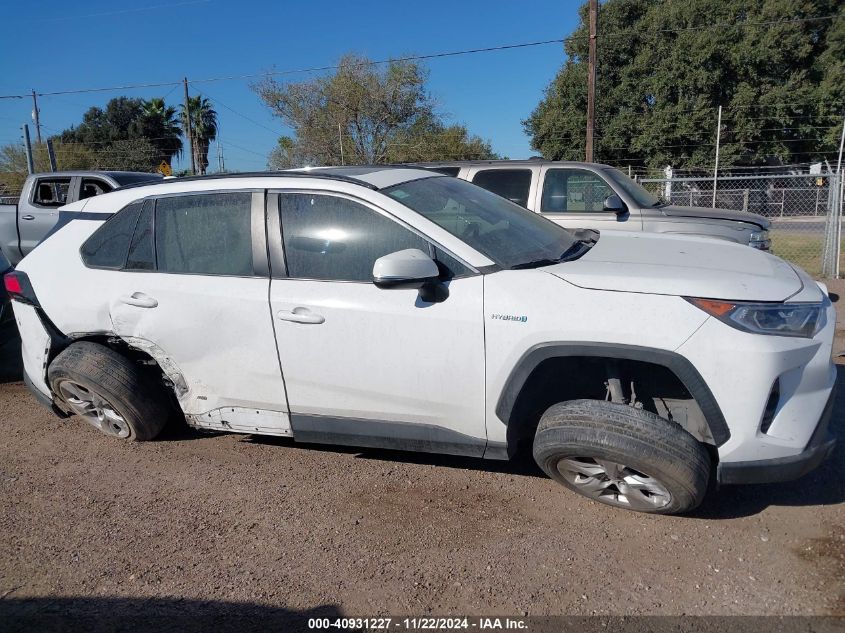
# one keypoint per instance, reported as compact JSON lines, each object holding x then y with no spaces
{"x":622,"y":456}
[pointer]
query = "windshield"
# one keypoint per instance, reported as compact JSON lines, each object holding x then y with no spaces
{"x":503,"y":231}
{"x":640,"y":194}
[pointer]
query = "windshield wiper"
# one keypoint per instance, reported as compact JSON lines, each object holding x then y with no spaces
{"x":535,"y":263}
{"x":576,"y":250}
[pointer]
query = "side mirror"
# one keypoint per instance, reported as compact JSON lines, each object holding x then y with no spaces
{"x":614,"y":203}
{"x":410,"y":268}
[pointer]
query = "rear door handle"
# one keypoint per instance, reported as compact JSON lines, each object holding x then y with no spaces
{"x":27,"y":217}
{"x":139,"y":300}
{"x":300,"y":315}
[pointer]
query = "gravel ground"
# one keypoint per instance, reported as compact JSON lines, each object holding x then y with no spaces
{"x":197,"y":522}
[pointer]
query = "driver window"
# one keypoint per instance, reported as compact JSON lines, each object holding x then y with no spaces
{"x":51,"y":192}
{"x":333,"y":238}
{"x":573,"y":190}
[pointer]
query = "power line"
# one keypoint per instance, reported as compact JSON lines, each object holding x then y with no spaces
{"x":471,"y":51}
{"x":233,"y":111}
{"x":71,"y":16}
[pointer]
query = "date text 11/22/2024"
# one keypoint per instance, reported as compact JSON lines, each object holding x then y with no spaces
{"x":417,"y":624}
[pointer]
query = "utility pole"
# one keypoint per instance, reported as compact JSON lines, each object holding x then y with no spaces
{"x":28,"y":148}
{"x":340,"y":139}
{"x":51,"y":155}
{"x":716,"y":168}
{"x":591,"y":80}
{"x":188,"y":132}
{"x":36,"y":117}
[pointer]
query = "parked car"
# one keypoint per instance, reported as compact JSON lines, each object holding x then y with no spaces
{"x":400,"y":308}
{"x":593,"y":196}
{"x":11,"y":365}
{"x":25,"y":224}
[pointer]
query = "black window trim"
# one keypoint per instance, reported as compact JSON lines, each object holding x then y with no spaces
{"x":275,"y":232}
{"x":144,"y":203}
{"x":261,"y":269}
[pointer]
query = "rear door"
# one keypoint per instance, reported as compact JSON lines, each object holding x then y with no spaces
{"x":574,"y":198}
{"x":366,"y":366}
{"x":193,"y":293}
{"x":40,"y":213}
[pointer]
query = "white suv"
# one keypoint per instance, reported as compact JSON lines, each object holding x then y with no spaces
{"x":399,"y":308}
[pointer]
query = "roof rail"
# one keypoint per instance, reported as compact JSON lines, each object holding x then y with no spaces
{"x":256,"y":174}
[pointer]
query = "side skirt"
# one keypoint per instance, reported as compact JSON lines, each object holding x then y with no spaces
{"x":401,"y":436}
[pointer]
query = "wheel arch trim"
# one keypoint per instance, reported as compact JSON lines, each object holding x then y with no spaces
{"x":682,"y":368}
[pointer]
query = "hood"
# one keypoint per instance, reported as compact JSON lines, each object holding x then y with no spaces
{"x":666,"y":264}
{"x":674,"y":211}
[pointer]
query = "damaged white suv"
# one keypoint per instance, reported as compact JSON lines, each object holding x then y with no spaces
{"x":399,"y":308}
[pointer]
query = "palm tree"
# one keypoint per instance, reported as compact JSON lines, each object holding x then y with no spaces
{"x":158,"y":124}
{"x":203,"y":129}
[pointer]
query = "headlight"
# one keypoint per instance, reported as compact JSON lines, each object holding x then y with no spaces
{"x":760,"y":239}
{"x":781,"y":319}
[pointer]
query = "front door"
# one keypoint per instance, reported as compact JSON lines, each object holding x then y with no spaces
{"x":41,"y":214}
{"x":574,"y":198}
{"x":366,"y":366}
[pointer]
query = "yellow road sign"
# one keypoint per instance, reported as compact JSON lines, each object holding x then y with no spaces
{"x":164,"y":169}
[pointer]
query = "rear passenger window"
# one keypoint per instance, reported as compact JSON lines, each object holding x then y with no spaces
{"x":512,"y":184}
{"x":108,"y":246}
{"x":332,"y":238}
{"x":205,"y":234}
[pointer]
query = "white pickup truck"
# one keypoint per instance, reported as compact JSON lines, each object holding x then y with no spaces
{"x":25,"y":224}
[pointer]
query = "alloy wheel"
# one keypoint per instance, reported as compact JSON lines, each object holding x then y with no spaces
{"x":94,"y":409}
{"x":614,"y":483}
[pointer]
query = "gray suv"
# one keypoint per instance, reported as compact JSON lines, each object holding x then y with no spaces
{"x":593,"y":196}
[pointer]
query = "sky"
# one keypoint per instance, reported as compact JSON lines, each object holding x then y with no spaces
{"x":58,"y":45}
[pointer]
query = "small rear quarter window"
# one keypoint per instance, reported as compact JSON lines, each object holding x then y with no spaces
{"x":108,"y":246}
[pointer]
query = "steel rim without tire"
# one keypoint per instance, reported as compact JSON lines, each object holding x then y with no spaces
{"x":614,"y":483}
{"x":94,"y":409}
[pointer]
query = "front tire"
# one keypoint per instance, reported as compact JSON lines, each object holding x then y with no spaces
{"x":109,"y":391}
{"x":622,"y":456}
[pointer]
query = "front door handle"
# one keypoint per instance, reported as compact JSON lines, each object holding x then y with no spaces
{"x":300,"y":315}
{"x":27,"y":217}
{"x":139,"y":300}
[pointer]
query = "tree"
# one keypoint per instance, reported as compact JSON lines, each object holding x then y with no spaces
{"x":158,"y":124}
{"x":203,"y":129}
{"x":13,"y":167}
{"x":377,"y":115}
{"x":101,"y":127}
{"x":128,"y":119}
{"x":134,"y":154}
{"x":665,"y":66}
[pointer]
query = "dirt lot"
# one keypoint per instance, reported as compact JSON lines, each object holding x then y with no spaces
{"x":195,"y":523}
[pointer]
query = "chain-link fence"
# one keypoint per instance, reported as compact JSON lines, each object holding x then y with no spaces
{"x":805,"y":210}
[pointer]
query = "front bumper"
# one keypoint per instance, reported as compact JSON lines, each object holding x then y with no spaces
{"x":780,"y":469}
